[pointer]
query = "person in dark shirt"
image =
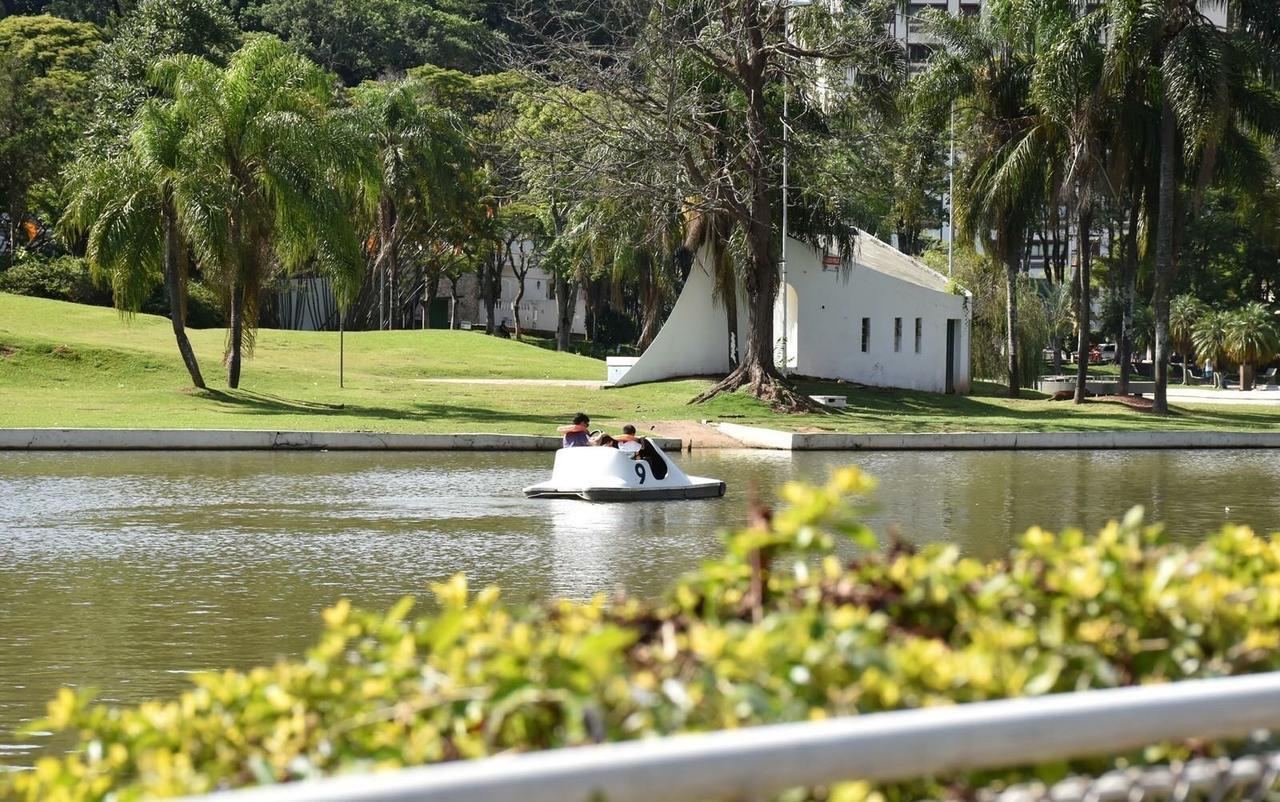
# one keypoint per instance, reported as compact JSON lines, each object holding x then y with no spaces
{"x":578,"y":434}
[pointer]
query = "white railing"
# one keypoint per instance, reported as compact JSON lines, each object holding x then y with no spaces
{"x":759,"y":762}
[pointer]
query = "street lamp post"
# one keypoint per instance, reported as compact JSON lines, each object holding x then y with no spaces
{"x":787,"y":5}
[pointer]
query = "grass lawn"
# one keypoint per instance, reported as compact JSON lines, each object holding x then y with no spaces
{"x":66,"y":365}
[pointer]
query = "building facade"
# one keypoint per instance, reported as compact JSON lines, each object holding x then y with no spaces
{"x":874,"y":317}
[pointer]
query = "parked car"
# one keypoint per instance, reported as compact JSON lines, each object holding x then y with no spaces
{"x":1108,"y":352}
{"x":1095,"y":355}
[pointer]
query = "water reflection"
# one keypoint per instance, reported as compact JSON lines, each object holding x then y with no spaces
{"x":126,"y":571}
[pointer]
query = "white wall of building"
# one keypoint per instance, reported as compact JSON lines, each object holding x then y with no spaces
{"x":694,"y":340}
{"x":828,"y":307}
{"x":824,"y":312}
{"x":537,"y":310}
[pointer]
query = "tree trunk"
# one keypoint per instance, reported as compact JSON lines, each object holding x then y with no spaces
{"x":1128,"y":281}
{"x":490,"y":283}
{"x":1246,"y":377}
{"x":432,"y":293}
{"x":1057,"y":354}
{"x":13,"y":230}
{"x":515,"y":304}
{"x":1011,"y":322}
{"x":1083,"y":310}
{"x":237,"y":334}
{"x":454,"y":298}
{"x":1164,"y":250}
{"x":756,"y":370}
{"x":177,"y":290}
{"x":566,"y":305}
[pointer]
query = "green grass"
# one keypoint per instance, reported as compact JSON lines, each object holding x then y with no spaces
{"x":65,"y":365}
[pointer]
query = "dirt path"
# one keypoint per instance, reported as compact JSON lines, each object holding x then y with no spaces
{"x":694,"y":434}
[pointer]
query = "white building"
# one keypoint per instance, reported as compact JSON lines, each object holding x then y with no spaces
{"x":888,"y":321}
{"x":537,"y":309}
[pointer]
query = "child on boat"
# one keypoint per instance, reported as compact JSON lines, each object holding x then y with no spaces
{"x":578,"y":434}
{"x":627,"y":441}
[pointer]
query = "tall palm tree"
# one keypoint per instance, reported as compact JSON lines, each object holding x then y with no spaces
{"x":287,"y":174}
{"x":138,"y":208}
{"x":1184,"y":312}
{"x":984,"y":71}
{"x":1209,"y":95}
{"x":1069,"y":90}
{"x":420,"y":158}
{"x":1252,"y":338}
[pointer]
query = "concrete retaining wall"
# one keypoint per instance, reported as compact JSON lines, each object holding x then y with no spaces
{"x":240,"y":440}
{"x":995,"y":441}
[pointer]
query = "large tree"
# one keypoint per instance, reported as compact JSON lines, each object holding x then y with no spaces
{"x":264,"y":126}
{"x":366,"y":39}
{"x":984,"y":76}
{"x":44,"y":73}
{"x":1210,"y":94}
{"x":423,"y":165}
{"x":139,"y":207}
{"x":1069,"y":89}
{"x":693,"y":86}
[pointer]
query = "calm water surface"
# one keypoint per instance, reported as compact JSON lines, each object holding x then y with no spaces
{"x":128,"y":571}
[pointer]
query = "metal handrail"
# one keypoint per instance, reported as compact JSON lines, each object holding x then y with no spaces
{"x":759,"y":762}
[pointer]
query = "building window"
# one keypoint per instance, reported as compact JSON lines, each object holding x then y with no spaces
{"x":897,"y":334}
{"x":866,"y":334}
{"x":919,"y":333}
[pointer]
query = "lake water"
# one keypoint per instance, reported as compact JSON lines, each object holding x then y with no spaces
{"x":128,"y":571}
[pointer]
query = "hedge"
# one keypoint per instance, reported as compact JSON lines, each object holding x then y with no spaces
{"x":778,"y":629}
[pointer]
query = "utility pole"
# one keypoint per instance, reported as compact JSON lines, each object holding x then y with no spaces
{"x":786,"y":140}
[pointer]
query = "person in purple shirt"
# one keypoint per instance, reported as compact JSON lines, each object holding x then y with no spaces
{"x":579,"y":434}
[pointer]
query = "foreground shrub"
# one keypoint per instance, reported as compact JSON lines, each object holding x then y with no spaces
{"x":779,"y":629}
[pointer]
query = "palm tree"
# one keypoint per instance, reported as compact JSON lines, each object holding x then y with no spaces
{"x":984,"y":70}
{"x":1209,"y":337}
{"x":1251,"y":339}
{"x":1209,"y":97}
{"x":1068,"y":87}
{"x":1184,"y":312}
{"x":421,"y":157}
{"x":287,"y":174}
{"x":137,"y":208}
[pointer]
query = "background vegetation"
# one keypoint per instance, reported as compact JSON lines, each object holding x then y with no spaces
{"x":1076,"y":134}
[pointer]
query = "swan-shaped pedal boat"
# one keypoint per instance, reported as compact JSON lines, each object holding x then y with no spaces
{"x":600,"y":473}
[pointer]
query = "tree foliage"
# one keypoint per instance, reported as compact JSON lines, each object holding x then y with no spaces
{"x":154,"y":30}
{"x":367,"y":39}
{"x":44,"y":73}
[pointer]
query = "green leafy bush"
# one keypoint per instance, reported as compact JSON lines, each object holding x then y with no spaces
{"x":779,"y":629}
{"x":65,"y":278}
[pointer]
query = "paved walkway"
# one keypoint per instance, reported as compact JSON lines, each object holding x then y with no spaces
{"x":517,"y":382}
{"x":1201,"y":395}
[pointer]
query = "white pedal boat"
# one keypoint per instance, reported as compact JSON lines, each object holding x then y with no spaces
{"x":599,"y":473}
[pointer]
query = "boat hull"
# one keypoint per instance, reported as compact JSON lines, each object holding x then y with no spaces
{"x":713,"y":489}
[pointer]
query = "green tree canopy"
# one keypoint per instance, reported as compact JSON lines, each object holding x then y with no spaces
{"x":44,"y":71}
{"x":287,"y":173}
{"x":363,"y":39}
{"x":154,"y":30}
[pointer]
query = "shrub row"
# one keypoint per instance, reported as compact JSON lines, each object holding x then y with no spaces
{"x":67,"y":278}
{"x":778,"y":629}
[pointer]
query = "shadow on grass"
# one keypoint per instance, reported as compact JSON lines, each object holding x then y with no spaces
{"x":989,"y":404}
{"x":253,"y":403}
